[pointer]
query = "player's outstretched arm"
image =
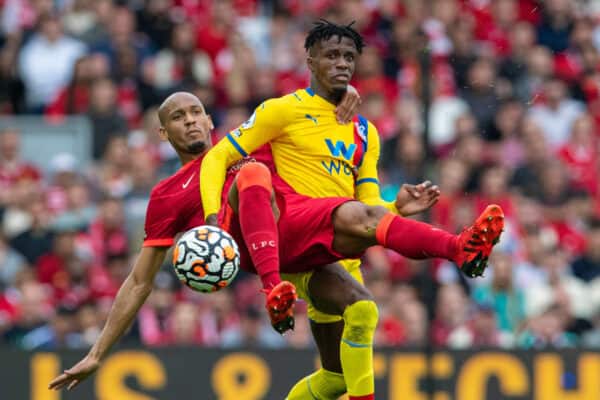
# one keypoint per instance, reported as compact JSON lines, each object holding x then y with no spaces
{"x":410,"y":200}
{"x":131,"y":296}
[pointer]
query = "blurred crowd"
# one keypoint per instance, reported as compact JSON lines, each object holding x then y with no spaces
{"x":494,"y":100}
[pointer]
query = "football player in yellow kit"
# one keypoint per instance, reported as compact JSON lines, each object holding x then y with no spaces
{"x":315,"y":157}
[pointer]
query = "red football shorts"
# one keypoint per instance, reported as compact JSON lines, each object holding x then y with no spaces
{"x":305,"y":227}
{"x":305,"y":232}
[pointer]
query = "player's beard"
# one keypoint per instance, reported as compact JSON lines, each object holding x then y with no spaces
{"x":198,"y":147}
{"x":338,"y":93}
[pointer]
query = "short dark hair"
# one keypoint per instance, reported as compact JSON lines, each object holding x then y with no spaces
{"x":324,"y":30}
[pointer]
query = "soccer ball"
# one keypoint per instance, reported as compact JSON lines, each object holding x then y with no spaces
{"x":206,"y":258}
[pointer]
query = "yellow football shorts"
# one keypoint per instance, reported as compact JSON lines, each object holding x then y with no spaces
{"x":300,"y":280}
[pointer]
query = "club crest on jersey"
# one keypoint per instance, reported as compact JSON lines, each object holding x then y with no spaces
{"x":361,"y":130}
{"x":250,"y":123}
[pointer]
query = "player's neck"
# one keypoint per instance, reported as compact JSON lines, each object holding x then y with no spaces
{"x":334,"y":97}
{"x":186,"y":158}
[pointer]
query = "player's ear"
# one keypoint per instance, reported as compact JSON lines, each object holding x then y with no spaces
{"x":211,"y":125}
{"x":162,"y":133}
{"x":309,"y":62}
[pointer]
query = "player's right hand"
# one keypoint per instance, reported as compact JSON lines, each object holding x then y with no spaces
{"x":212,"y":220}
{"x":413,"y":199}
{"x":73,"y":376}
{"x":348,"y":106}
{"x":280,"y":306}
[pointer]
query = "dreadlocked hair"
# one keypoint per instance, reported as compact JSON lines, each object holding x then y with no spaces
{"x":324,"y":30}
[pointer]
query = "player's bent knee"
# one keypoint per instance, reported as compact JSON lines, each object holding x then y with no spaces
{"x":359,"y":292}
{"x":254,"y":174}
{"x":361,"y":321}
{"x":355,"y":217}
{"x":375,"y":213}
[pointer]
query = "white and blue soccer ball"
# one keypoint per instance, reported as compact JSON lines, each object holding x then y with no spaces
{"x":206,"y":259}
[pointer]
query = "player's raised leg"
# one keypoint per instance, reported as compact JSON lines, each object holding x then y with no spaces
{"x":252,"y":196}
{"x":358,"y":226}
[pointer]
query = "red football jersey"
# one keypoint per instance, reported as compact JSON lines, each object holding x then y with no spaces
{"x":175,"y":206}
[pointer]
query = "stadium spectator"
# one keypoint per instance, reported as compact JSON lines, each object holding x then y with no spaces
{"x":514,"y":66}
{"x":33,"y":309}
{"x":59,"y":333}
{"x":62,"y":268}
{"x":527,"y":176}
{"x":13,"y":168}
{"x":74,"y":98}
{"x":12,"y":91}
{"x":154,"y":20}
{"x":46,"y":62}
{"x":103,"y":112}
{"x":450,"y":326}
{"x":185,"y":326}
{"x":106,"y":235}
{"x":11,"y":263}
{"x":254,"y":332}
{"x":587,"y":267}
{"x":558,"y":113}
{"x":480,"y":92}
{"x":580,"y":155}
{"x":181,"y":62}
{"x":546,"y":330}
{"x":121,"y":27}
{"x":507,"y":300}
{"x":79,"y":209}
{"x":153,"y":318}
{"x":37,"y":239}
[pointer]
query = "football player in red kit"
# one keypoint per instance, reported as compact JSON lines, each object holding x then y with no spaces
{"x":175,"y":206}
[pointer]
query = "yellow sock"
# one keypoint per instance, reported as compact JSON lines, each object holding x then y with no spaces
{"x":321,"y":385}
{"x":356,"y":348}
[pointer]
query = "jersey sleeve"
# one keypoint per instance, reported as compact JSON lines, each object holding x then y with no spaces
{"x":265,"y":124}
{"x":367,"y":181}
{"x":160,"y":225}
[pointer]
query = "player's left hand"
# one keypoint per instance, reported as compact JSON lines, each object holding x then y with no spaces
{"x":413,"y":199}
{"x":348,"y":107}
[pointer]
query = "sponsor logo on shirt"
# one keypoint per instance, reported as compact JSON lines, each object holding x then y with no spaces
{"x":336,"y":150}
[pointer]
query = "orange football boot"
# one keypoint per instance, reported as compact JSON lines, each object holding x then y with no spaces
{"x":280,"y":306}
{"x":476,"y":242}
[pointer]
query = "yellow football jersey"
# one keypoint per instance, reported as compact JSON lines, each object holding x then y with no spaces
{"x":312,"y":152}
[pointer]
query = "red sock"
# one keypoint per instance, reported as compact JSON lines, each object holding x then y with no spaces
{"x":414,"y":239}
{"x":257,"y":222}
{"x":365,"y":397}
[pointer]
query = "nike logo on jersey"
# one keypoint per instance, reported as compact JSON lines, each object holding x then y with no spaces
{"x":313,"y":119}
{"x":187,"y":183}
